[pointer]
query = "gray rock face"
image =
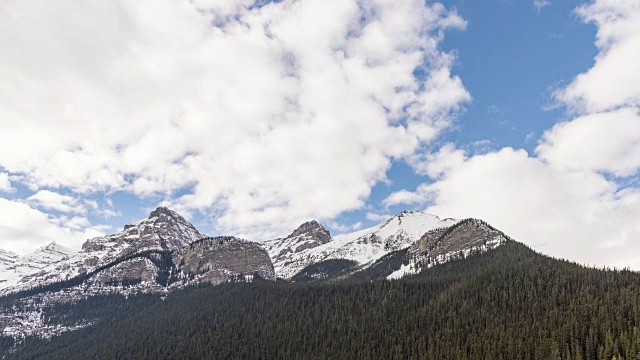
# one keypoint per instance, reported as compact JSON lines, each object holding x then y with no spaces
{"x":312,"y":229}
{"x":464,"y":236}
{"x":224,"y":258}
{"x":164,"y":229}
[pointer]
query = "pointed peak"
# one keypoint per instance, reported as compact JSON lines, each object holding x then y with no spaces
{"x":311,"y":227}
{"x":54,"y":246}
{"x":406,"y":213}
{"x":415,"y":214}
{"x":162,"y":210}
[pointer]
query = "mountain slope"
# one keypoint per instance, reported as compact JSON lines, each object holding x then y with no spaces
{"x":363,"y":247}
{"x":7,"y":257}
{"x":505,"y":303}
{"x":21,"y":269}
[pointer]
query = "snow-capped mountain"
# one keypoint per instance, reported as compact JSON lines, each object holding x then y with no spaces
{"x":48,"y":254}
{"x":300,"y":249}
{"x":159,"y":254}
{"x":18,"y":269}
{"x":143,"y":252}
{"x":309,"y":235}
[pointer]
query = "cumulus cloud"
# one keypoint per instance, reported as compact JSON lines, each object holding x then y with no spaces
{"x":613,"y":80}
{"x":606,"y":142}
{"x":242,"y":110}
{"x":373,"y":216}
{"x":24,"y":229}
{"x":5,"y":183}
{"x":54,"y":201}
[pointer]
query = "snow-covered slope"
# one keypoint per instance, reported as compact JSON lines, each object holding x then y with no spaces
{"x":30,"y":265}
{"x":363,"y":247}
{"x":48,"y":254}
{"x":7,"y":258}
{"x":309,"y":235}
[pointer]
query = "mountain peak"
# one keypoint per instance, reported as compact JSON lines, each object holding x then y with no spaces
{"x":313,"y":228}
{"x":163,"y":211}
{"x":55,"y":247}
{"x":48,"y":254}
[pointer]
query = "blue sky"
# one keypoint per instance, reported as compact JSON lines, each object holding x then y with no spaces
{"x":511,"y":58}
{"x":252,"y":119}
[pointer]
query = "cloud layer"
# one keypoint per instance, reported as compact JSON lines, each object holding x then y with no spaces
{"x":259,"y":116}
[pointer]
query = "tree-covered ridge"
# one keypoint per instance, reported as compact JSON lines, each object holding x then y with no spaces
{"x":507,"y":303}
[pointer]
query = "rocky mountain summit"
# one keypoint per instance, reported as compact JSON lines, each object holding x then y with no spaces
{"x":307,"y":236}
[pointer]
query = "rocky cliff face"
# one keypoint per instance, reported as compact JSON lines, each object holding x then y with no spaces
{"x":442,"y":244}
{"x":224,"y":258}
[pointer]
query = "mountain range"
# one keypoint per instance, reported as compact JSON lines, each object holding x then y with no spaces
{"x":414,"y":286}
{"x":164,"y":253}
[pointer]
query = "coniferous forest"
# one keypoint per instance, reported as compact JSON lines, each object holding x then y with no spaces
{"x":508,"y":303}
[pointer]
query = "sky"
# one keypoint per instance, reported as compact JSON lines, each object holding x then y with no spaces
{"x":249,"y":118}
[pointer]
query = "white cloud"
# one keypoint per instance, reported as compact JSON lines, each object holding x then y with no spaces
{"x":5,"y":183}
{"x":372,"y":216}
{"x":541,"y":4}
{"x":24,"y":229}
{"x":606,"y":142}
{"x":247,"y":117}
{"x":341,"y":228}
{"x":573,"y":214}
{"x":54,"y":201}
{"x":613,"y":80}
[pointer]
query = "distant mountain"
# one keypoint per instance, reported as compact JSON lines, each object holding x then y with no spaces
{"x":304,"y":248}
{"x":401,"y":254}
{"x":19,"y":269}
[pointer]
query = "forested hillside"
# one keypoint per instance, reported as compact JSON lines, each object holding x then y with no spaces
{"x":508,"y":303}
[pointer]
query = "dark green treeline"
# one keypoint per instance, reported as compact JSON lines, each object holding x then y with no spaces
{"x":509,"y":303}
